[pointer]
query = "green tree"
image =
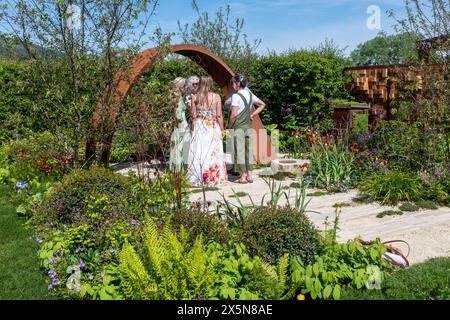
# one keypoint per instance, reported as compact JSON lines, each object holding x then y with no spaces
{"x":386,"y":49}
{"x":430,"y":106}
{"x":82,"y":38}
{"x":221,"y":36}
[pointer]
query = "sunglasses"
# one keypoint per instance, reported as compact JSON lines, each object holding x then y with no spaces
{"x":195,"y":84}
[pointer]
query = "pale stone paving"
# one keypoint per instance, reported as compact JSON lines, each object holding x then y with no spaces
{"x":426,"y":231}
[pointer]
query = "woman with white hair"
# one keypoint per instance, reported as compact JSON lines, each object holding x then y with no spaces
{"x":179,"y":141}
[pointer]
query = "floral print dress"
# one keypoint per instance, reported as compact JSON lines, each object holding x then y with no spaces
{"x":206,"y":159}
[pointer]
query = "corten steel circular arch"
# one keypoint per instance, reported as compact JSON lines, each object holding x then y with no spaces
{"x":125,"y":79}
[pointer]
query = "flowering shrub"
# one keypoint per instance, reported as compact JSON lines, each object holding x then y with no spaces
{"x":35,"y":158}
{"x":81,"y":258}
{"x":158,"y":196}
{"x":333,"y":167}
{"x":400,"y":146}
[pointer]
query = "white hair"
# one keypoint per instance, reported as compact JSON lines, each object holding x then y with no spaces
{"x":190,"y":80}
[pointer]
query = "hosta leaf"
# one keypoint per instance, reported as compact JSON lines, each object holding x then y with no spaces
{"x":336,"y":292}
{"x":316,"y":269}
{"x":327,"y":291}
{"x":317,"y":285}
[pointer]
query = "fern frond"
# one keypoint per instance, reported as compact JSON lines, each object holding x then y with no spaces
{"x":135,"y":280}
{"x":155,"y":248}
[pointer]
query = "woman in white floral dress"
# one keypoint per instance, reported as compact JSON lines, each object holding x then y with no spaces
{"x":206,"y":159}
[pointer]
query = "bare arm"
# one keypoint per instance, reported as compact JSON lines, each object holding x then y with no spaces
{"x":193,"y":111}
{"x":219,"y":114}
{"x":260,"y":105}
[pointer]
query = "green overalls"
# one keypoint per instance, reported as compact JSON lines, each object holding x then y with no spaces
{"x":243,"y":137}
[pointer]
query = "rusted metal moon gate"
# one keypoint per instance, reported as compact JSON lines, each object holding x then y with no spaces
{"x":125,"y":79}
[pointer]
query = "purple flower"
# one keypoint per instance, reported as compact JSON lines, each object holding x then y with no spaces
{"x":360,"y":137}
{"x":78,"y":250}
{"x":38,"y":240}
{"x":77,"y":290}
{"x":369,"y":135}
{"x":56,"y":282}
{"x":50,"y":286}
{"x":102,"y":274}
{"x":130,"y":159}
{"x":90,"y":277}
{"x":52,"y":274}
{"x":21,"y":184}
{"x":81,"y":264}
{"x":134,"y":222}
{"x":113,"y":250}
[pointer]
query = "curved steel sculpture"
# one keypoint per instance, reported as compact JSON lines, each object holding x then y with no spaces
{"x":125,"y":79}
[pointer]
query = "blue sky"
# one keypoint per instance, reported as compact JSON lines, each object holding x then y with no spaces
{"x":286,"y":24}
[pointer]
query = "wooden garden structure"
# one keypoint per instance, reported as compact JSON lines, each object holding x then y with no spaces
{"x":378,"y":85}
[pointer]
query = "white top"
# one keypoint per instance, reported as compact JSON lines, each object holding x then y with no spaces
{"x":236,"y":100}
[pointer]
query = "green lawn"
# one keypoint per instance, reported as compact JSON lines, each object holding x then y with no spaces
{"x":429,"y":280}
{"x":20,"y":277}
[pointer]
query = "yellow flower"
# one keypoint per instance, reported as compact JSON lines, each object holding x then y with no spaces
{"x":300,"y":297}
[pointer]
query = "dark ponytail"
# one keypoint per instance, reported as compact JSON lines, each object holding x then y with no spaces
{"x":240,"y":78}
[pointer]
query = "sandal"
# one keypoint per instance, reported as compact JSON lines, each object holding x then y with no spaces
{"x":241,"y":181}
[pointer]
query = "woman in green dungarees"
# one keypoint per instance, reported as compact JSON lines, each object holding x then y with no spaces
{"x":240,"y":122}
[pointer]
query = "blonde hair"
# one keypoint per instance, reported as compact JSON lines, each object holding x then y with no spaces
{"x":206,"y":84}
{"x":179,"y":83}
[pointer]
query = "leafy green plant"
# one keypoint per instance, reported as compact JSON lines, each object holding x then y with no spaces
{"x":300,"y":203}
{"x":271,"y":232}
{"x":168,"y":269}
{"x":389,"y":213}
{"x":341,"y":265}
{"x":235,"y":214}
{"x":392,"y":187}
{"x":341,"y":204}
{"x":240,"y":276}
{"x":239,"y":194}
{"x":332,"y":167}
{"x":317,"y":194}
{"x":408,"y":206}
{"x":198,"y":222}
{"x":426,"y":204}
{"x":436,"y":190}
{"x":429,"y":280}
{"x":159,"y":197}
{"x":276,"y":192}
{"x":66,"y":202}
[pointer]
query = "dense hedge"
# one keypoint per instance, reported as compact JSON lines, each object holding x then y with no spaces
{"x":15,"y":98}
{"x":299,"y":83}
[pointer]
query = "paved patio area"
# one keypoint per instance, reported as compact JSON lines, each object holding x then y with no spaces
{"x":426,"y":231}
